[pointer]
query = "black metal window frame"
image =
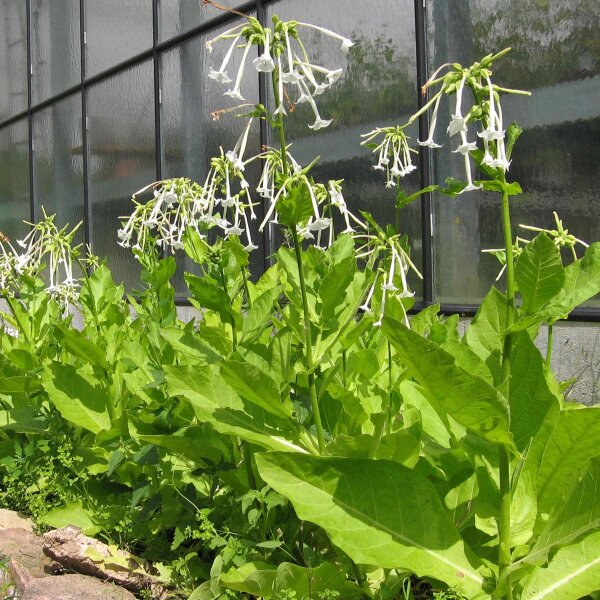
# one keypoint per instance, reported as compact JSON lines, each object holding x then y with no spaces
{"x":155,"y":52}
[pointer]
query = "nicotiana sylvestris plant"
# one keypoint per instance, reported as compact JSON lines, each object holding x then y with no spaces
{"x":403,"y":448}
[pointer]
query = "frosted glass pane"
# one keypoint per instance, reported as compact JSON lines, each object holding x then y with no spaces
{"x":14,"y":180}
{"x":13,"y":59}
{"x":55,"y":47}
{"x":378,"y":88}
{"x":179,"y":16}
{"x":555,"y":54}
{"x":121,"y":158}
{"x":58,"y":162}
{"x":190,"y":135}
{"x":116,"y":31}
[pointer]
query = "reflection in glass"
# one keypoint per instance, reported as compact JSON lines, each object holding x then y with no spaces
{"x":121,"y":158}
{"x":179,"y":16}
{"x":58,"y":162}
{"x":13,"y":58}
{"x":55,"y":47}
{"x":555,"y":54}
{"x":190,"y":135}
{"x":14,"y":180}
{"x":378,"y":89}
{"x":116,"y":30}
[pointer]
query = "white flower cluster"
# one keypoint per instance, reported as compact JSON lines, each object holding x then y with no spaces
{"x":284,"y":54}
{"x":391,"y":145}
{"x":393,"y":278}
{"x":45,"y":246}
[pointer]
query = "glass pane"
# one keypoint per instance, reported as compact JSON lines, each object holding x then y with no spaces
{"x":121,"y":159}
{"x":14,"y":180}
{"x":58,"y":162}
{"x":190,"y":135}
{"x":55,"y":47}
{"x":378,"y":88}
{"x":555,"y":54}
{"x":116,"y":30}
{"x":13,"y":59}
{"x":179,"y":16}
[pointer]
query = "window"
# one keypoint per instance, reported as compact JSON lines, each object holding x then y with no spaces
{"x":100,"y":97}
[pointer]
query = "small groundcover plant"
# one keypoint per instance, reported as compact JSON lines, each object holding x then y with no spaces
{"x":303,"y":437}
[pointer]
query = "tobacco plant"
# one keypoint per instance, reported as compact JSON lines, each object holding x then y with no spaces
{"x":303,"y":437}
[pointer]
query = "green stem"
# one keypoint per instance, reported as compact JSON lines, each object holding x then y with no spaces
{"x":9,"y":301}
{"x":549,"y":346}
{"x":383,"y":425}
{"x":231,"y":318}
{"x":504,"y":556}
{"x":314,"y":400}
{"x":247,"y":458}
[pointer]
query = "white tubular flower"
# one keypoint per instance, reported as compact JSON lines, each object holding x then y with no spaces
{"x":264,"y":63}
{"x":236,"y":156}
{"x":393,"y":148}
{"x":292,"y":76}
{"x":235,"y":91}
{"x":346,"y":42}
{"x":429,"y":143}
{"x":226,"y":34}
{"x":458,"y":123}
{"x":319,"y":88}
{"x":280,"y":107}
{"x":221,"y":75}
{"x":319,"y":123}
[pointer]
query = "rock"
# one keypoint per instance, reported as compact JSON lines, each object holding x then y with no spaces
{"x":9,"y":519}
{"x":78,"y":552}
{"x":73,"y":587}
{"x":26,"y":558}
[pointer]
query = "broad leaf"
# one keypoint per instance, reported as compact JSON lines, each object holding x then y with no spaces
{"x":484,"y":335}
{"x":529,"y":395}
{"x":77,"y":400}
{"x":378,"y":512}
{"x":191,"y":344}
{"x":295,"y":206}
{"x":578,"y":516}
{"x":539,"y":273}
{"x":269,"y":581}
{"x":574,"y":440}
{"x":259,"y":314}
{"x":573,"y":572}
{"x":19,"y":384}
{"x":209,"y":295}
{"x":217,"y":403}
{"x":256,"y":386}
{"x":78,"y":345}
{"x":468,"y":399}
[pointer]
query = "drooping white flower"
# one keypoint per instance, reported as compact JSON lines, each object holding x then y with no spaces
{"x":221,"y":75}
{"x":235,"y":91}
{"x":264,"y":63}
{"x":346,"y":42}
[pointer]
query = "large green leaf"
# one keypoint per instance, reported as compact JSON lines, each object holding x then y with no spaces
{"x":378,"y":512}
{"x":573,"y":572}
{"x":574,"y":440}
{"x":77,"y":400}
{"x":529,"y":395}
{"x":539,"y":273}
{"x":256,"y":386}
{"x":27,"y":384}
{"x":209,"y":295}
{"x":295,"y":206}
{"x":259,"y":314}
{"x":191,"y":344}
{"x":484,"y":335}
{"x":468,"y":399}
{"x":269,"y":581}
{"x":78,"y":345}
{"x":217,"y":403}
{"x":578,"y":516}
{"x":582,"y":282}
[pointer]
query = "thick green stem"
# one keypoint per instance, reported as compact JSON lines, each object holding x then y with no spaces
{"x":549,"y":346}
{"x":314,"y":400}
{"x":231,"y":318}
{"x":23,"y":332}
{"x":504,"y":555}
